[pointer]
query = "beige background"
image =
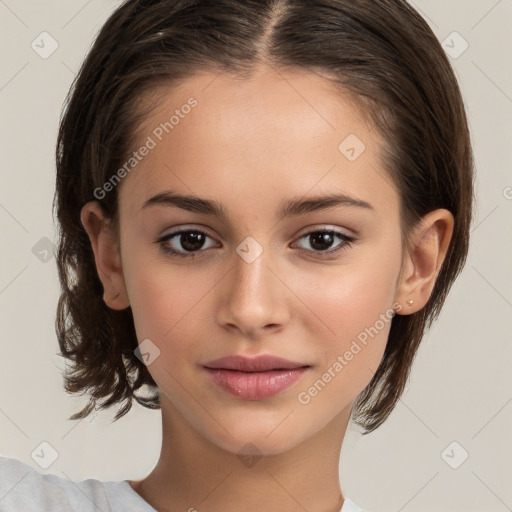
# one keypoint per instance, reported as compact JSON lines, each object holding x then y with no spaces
{"x":460,"y":389}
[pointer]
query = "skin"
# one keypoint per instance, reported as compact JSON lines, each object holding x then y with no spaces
{"x":250,"y":144}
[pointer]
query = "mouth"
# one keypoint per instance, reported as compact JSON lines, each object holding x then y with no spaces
{"x":255,"y":378}
{"x":261,"y":363}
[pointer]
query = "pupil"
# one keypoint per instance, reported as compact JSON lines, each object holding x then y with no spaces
{"x":192,"y":241}
{"x":323,"y":239}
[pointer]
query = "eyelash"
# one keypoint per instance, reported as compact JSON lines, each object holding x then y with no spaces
{"x":348,"y":241}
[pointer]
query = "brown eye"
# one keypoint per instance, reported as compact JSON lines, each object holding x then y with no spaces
{"x":184,"y":242}
{"x":321,"y":241}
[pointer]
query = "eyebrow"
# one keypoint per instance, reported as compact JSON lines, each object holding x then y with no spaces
{"x":291,"y":207}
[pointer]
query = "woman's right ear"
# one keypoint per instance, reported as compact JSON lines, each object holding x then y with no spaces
{"x":106,"y":254}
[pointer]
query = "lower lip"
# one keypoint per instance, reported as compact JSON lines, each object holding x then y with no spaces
{"x":255,"y":385}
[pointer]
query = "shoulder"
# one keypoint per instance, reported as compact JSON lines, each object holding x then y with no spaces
{"x":24,"y":488}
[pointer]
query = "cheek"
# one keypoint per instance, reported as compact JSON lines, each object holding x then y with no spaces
{"x":353,"y":353}
{"x":167,"y":302}
{"x":162,"y":307}
{"x":353,"y":308}
{"x":347,"y":299}
{"x":161,"y":293}
{"x":161,"y":300}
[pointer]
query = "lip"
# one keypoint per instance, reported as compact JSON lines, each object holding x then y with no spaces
{"x":255,"y":378}
{"x":261,"y":363}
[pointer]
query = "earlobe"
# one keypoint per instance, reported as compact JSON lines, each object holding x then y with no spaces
{"x":106,"y":255}
{"x":422,"y":262}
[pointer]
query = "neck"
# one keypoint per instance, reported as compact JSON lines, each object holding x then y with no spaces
{"x":194,"y":474}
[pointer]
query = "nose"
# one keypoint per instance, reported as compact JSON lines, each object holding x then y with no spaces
{"x":254,"y":299}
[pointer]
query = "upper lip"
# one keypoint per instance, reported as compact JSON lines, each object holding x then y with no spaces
{"x":253,"y":364}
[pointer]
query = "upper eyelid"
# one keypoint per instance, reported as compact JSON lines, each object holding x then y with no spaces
{"x":328,"y":227}
{"x":309,"y":230}
{"x":186,"y":229}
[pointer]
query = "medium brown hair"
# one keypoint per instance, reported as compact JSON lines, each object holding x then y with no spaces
{"x":381,"y":51}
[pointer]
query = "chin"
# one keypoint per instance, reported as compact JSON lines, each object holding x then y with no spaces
{"x":258,"y":439}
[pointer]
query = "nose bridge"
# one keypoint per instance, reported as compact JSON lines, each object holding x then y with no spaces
{"x":254,"y":298}
{"x":252,"y":280}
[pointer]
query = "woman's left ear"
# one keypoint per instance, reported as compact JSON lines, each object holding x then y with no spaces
{"x":422,"y":262}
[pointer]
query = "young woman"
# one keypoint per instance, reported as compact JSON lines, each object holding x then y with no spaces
{"x":262,"y":208}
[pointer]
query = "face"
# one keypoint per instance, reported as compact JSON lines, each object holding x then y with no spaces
{"x":315,"y":286}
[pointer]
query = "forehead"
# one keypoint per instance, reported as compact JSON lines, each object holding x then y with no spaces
{"x":249,"y":141}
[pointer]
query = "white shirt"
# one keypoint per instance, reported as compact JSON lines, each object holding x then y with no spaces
{"x":22,"y":488}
